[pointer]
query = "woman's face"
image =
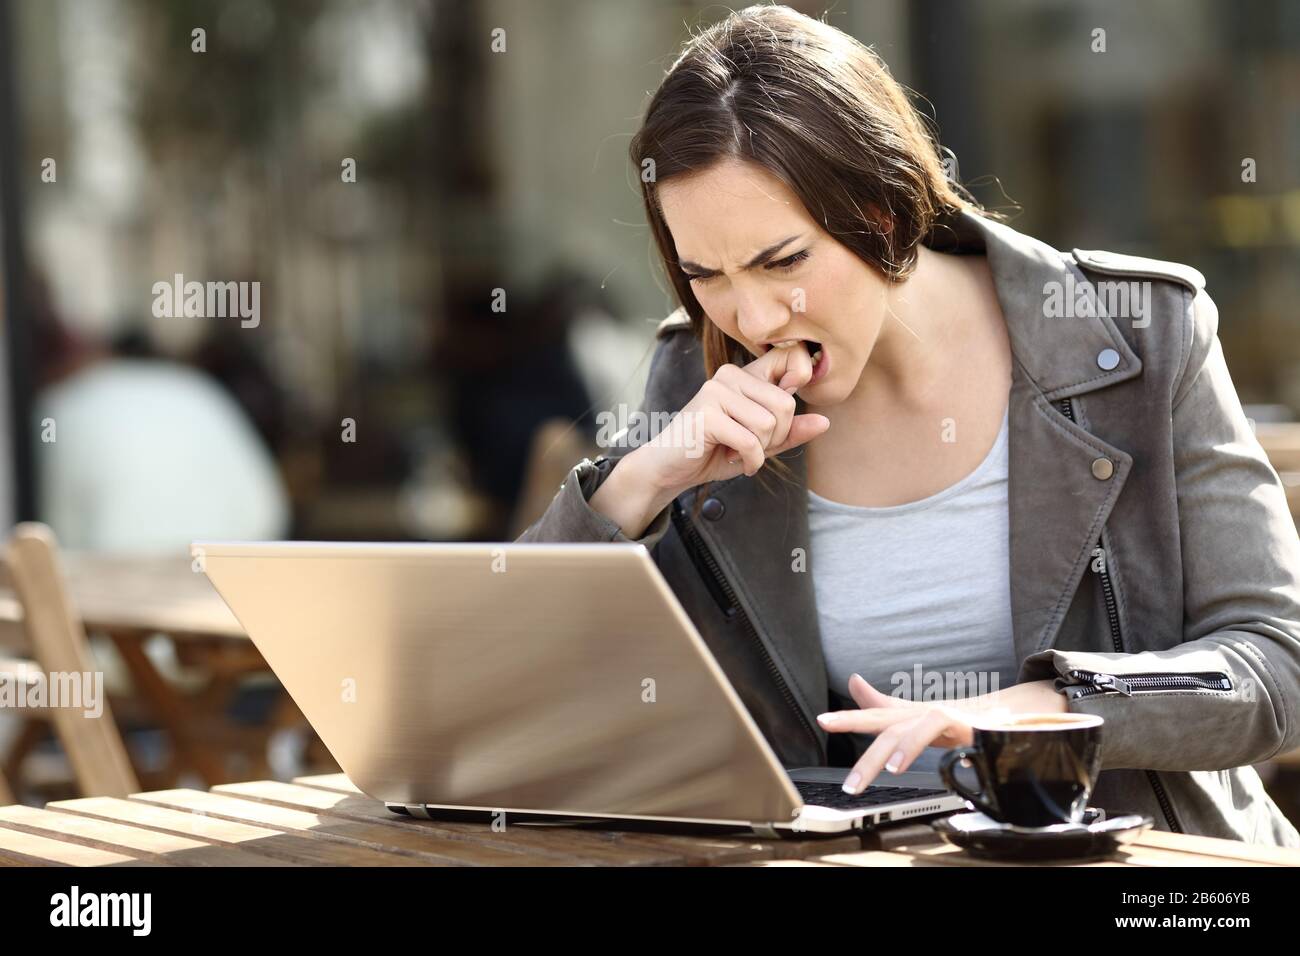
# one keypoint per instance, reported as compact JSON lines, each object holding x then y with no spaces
{"x":764,"y":271}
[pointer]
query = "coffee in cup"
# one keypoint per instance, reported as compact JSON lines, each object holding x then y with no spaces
{"x":1034,"y":770}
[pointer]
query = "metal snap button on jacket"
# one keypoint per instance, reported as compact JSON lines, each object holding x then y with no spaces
{"x":1107,"y":359}
{"x":1102,"y":468}
{"x":713,"y":509}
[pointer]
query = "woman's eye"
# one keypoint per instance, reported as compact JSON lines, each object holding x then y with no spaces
{"x":781,"y":265}
{"x":789,"y":262}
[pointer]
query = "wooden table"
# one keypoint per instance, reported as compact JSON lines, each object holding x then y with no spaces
{"x":325,"y":821}
{"x":130,"y":593}
{"x":160,"y":594}
{"x":125,"y":592}
{"x":131,"y":598}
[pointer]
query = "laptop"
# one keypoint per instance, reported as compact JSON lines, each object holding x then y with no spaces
{"x":539,"y":681}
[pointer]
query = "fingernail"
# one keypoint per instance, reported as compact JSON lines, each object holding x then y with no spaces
{"x":851,"y":782}
{"x":828,"y":718}
{"x":895,"y":761}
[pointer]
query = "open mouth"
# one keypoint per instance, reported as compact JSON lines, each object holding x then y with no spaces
{"x":808,"y":344}
{"x":814,"y":350}
{"x":819,"y":361}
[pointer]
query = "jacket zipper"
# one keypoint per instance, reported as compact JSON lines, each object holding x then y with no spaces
{"x":726,"y":598}
{"x":1125,"y":686}
{"x":1129,"y":684}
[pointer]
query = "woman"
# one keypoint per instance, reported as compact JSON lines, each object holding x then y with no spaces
{"x":1004,"y":462}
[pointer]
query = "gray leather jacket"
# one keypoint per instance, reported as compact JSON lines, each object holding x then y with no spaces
{"x":1155,"y":569}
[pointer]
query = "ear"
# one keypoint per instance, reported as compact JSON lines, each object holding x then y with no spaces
{"x":884,"y":223}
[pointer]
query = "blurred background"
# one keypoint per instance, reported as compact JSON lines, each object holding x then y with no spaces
{"x":478,"y":170}
{"x":390,"y":171}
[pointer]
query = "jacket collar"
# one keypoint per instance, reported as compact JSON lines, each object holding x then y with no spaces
{"x":1057,"y":506}
{"x":1059,"y":354}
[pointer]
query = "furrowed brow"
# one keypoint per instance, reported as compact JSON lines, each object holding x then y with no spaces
{"x":762,"y":258}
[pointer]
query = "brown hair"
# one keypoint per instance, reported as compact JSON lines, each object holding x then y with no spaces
{"x":818,"y":110}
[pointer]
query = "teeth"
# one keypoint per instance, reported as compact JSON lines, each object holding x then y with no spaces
{"x":786,"y":345}
{"x":816,"y":357}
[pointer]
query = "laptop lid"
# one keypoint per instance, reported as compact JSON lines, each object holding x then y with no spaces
{"x":563,"y":678}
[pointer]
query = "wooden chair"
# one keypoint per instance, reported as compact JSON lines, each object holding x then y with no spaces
{"x":1281,"y":442}
{"x":15,"y":669}
{"x":58,"y":645}
{"x":11,"y":668}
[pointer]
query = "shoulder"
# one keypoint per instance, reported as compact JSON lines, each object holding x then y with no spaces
{"x":1138,"y":267}
{"x":677,"y":369}
{"x":677,"y":322}
{"x":1185,"y":311}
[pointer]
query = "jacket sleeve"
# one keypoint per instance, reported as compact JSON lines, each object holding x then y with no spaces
{"x":1241,"y":598}
{"x":570,"y":517}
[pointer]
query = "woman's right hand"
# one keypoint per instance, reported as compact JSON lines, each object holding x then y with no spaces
{"x":737,"y":419}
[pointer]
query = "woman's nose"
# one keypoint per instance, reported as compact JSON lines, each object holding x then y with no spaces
{"x":761,"y":320}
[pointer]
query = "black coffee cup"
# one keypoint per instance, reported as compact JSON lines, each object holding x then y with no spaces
{"x":1034,"y":769}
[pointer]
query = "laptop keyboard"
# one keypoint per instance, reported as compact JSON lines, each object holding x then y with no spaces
{"x":833,"y":796}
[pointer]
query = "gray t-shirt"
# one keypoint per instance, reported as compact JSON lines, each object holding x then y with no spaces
{"x":916,"y":597}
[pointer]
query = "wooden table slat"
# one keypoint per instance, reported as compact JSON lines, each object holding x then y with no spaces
{"x":19,"y":848}
{"x":125,"y":839}
{"x":291,"y":847}
{"x":328,"y":781}
{"x":1203,"y":846}
{"x":370,"y":843}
